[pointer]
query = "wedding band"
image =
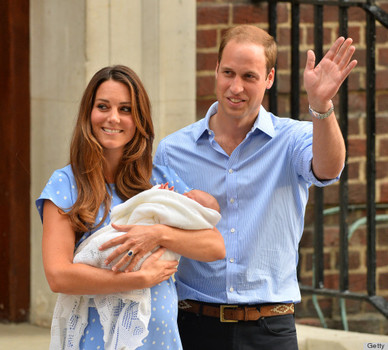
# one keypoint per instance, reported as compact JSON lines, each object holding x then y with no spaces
{"x":130,"y":252}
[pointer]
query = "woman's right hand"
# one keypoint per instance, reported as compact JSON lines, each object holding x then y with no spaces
{"x":155,"y":270}
{"x":66,"y":277}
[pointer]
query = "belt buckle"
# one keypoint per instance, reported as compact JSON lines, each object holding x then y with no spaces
{"x":222,"y":308}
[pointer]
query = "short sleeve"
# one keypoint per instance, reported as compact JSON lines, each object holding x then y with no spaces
{"x":162,"y":174}
{"x":60,"y":189}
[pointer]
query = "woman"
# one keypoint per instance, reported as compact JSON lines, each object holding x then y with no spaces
{"x":110,"y":161}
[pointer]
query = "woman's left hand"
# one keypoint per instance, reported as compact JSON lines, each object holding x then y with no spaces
{"x":138,"y":239}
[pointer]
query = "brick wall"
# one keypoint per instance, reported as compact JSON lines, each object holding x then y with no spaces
{"x":213,"y":17}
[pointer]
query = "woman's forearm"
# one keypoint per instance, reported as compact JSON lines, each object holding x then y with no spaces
{"x":88,"y":280}
{"x":65,"y":277}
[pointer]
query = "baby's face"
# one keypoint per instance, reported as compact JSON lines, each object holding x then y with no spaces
{"x":203,"y":198}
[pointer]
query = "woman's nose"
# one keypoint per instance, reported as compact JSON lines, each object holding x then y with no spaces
{"x":114,"y":116}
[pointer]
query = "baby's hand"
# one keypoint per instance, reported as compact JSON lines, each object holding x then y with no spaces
{"x":165,"y":187}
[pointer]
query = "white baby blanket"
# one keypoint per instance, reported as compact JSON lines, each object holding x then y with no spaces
{"x":127,"y":328}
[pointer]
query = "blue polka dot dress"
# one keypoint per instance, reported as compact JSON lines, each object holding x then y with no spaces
{"x":163,"y":330}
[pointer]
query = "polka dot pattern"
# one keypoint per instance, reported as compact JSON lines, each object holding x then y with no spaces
{"x":162,"y":174}
{"x":163,"y":330}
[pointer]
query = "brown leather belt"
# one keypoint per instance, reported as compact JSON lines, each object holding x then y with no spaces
{"x":235,"y":313}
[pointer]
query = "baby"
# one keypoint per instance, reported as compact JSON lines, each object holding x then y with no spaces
{"x":201,"y":197}
{"x":191,"y":211}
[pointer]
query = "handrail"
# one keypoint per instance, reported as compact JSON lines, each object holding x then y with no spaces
{"x":379,"y":14}
{"x":383,"y":305}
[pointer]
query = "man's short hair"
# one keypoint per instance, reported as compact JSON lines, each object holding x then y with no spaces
{"x":251,"y":34}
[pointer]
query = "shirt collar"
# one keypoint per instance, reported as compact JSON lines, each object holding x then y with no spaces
{"x":263,"y":123}
{"x":204,"y":123}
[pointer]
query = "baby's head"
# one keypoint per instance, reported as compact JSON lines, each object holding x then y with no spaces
{"x":203,"y":198}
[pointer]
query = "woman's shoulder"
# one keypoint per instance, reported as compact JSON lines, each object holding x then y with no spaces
{"x":62,"y":179}
{"x":61,"y":189}
{"x":65,"y":171}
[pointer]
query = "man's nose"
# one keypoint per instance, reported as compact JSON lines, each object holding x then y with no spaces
{"x":236,"y":85}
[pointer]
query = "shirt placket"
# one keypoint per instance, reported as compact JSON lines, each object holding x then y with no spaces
{"x":232,"y":231}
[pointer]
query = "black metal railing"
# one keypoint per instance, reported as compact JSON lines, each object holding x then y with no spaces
{"x":373,"y":13}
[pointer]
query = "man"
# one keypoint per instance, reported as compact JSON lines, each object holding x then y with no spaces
{"x":259,"y":167}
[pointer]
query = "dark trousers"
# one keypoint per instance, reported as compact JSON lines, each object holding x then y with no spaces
{"x":208,"y":333}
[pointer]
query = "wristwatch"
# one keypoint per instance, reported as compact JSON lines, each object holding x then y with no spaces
{"x":318,"y":115}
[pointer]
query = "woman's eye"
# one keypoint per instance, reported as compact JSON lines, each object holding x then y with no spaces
{"x":126,"y":109}
{"x":101,"y":106}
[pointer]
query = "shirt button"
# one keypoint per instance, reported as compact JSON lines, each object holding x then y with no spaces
{"x":231,"y":260}
{"x":231,"y":200}
{"x":232,"y":230}
{"x":231,"y":289}
{"x":230,"y":171}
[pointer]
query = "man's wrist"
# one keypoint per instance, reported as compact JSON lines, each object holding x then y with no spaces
{"x":319,"y":115}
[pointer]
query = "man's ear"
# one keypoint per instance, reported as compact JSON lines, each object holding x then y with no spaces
{"x":270,"y":78}
{"x":216,"y":72}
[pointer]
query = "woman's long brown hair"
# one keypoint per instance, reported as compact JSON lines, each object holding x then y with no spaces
{"x":87,"y":158}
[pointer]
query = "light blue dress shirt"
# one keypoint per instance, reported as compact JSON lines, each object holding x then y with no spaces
{"x":262,"y":189}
